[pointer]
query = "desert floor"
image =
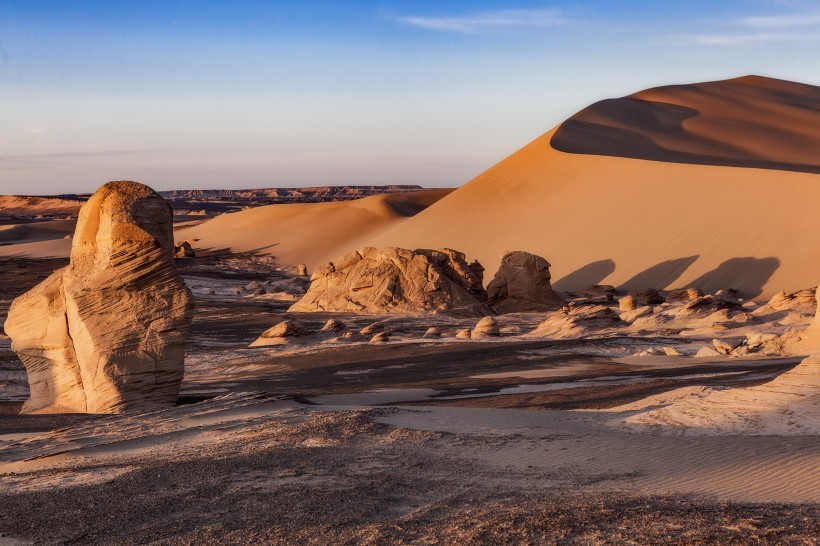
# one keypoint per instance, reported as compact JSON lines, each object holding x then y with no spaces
{"x":412,"y":441}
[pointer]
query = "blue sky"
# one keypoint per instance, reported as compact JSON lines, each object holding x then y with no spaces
{"x":211,"y":94}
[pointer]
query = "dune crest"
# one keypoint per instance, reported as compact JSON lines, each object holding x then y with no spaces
{"x":743,"y":122}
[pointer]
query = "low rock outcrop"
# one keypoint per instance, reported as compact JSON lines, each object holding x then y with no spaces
{"x":522,"y":283}
{"x":106,"y":334}
{"x":579,"y":321}
{"x":282,"y":333}
{"x":374,"y":280}
{"x":184,"y":250}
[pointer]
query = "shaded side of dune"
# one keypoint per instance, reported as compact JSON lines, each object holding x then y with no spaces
{"x":752,"y":122}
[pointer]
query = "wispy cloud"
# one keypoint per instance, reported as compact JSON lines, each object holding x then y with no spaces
{"x":489,"y":20}
{"x":738,"y":39}
{"x":781,"y":21}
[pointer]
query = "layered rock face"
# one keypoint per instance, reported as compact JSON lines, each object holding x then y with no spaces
{"x":107,"y":333}
{"x":522,"y":283}
{"x":374,"y":280}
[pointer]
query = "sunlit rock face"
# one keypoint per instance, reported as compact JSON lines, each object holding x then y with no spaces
{"x":106,"y":334}
{"x":373,"y":280}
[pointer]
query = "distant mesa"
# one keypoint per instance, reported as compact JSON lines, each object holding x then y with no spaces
{"x":106,"y":334}
{"x":744,"y":122}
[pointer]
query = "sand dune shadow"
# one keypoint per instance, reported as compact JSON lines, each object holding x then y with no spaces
{"x":746,"y":275}
{"x":659,"y":276}
{"x":592,"y":273}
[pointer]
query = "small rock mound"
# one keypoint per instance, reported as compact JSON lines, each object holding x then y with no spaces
{"x":486,"y":327}
{"x":333,"y":325}
{"x":522,"y":283}
{"x":282,"y":333}
{"x":381,"y":337}
{"x":374,"y":280}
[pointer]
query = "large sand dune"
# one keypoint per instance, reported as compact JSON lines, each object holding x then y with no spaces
{"x":309,"y":233}
{"x":637,"y":223}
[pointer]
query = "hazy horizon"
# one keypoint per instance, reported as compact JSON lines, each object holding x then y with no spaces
{"x":206,"y":95}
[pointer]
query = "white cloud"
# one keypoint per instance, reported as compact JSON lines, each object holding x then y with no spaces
{"x":489,"y":20}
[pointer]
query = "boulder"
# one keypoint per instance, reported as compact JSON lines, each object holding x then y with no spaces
{"x":374,"y":280}
{"x":381,"y":337}
{"x":649,"y":296}
{"x":671,"y":351}
{"x":707,"y":351}
{"x":371,"y":329}
{"x":333,"y":325}
{"x":463,"y":333}
{"x":683,"y":295}
{"x":522,"y":283}
{"x":432,"y":332}
{"x":184,"y":250}
{"x":106,"y":334}
{"x":486,"y":327}
{"x":281,"y":334}
{"x":726,"y":346}
{"x":627,"y":303}
{"x":303,"y":272}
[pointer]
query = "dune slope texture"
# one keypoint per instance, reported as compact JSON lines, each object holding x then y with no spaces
{"x":374,"y":280}
{"x":309,"y":233}
{"x":640,"y":224}
{"x":744,"y":122}
{"x":107,"y":333}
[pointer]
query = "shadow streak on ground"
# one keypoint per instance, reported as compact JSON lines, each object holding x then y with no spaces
{"x":592,"y":273}
{"x":746,"y":275}
{"x":660,"y":276}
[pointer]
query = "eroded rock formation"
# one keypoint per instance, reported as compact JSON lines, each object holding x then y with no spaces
{"x":107,"y":333}
{"x":374,"y":280}
{"x":522,"y":283}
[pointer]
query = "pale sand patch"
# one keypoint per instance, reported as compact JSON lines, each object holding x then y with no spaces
{"x":787,"y":405}
{"x":737,"y":468}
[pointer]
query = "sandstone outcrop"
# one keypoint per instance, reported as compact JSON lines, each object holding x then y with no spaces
{"x":627,"y":303}
{"x":106,"y":334}
{"x":281,"y":334}
{"x":374,"y":280}
{"x":579,"y":321}
{"x":184,"y":250}
{"x":522,"y":283}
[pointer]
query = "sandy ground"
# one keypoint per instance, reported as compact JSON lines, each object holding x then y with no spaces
{"x":413,"y":441}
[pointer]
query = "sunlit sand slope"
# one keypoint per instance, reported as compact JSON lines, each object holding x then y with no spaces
{"x":309,"y":233}
{"x":637,"y":223}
